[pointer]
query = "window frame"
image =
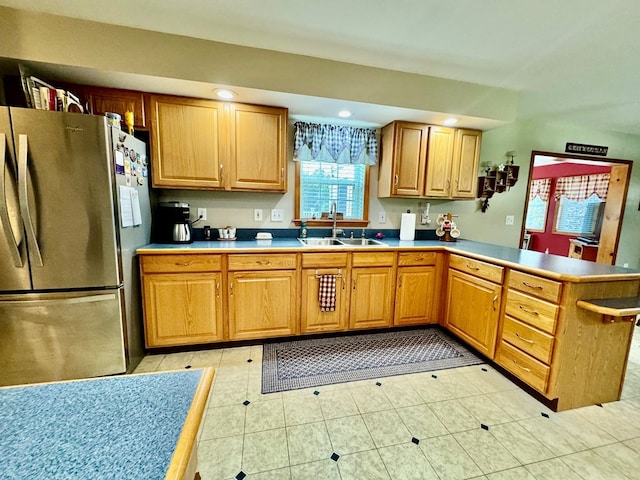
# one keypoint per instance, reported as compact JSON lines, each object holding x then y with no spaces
{"x":317,"y":222}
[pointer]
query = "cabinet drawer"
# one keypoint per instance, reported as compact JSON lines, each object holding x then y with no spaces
{"x":536,"y":286}
{"x":370,"y":259}
{"x":490,"y":272}
{"x":417,"y":258}
{"x":523,"y":366}
{"x":180,"y":263}
{"x":533,"y":311}
{"x":316,"y":260}
{"x":262,"y":262}
{"x":534,"y":342}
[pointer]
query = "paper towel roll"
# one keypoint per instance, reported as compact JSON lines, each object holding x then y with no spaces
{"x":408,"y":226}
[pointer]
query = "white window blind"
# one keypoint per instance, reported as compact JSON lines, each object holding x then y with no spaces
{"x":579,"y":217}
{"x":323,"y":183}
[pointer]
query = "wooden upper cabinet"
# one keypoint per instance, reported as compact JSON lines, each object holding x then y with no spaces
{"x":402,"y":163}
{"x":187,"y":142}
{"x":466,"y":160}
{"x":206,"y":144}
{"x":453,"y":160}
{"x":102,"y":100}
{"x":258,"y":145}
{"x":440,"y":158}
{"x":419,"y":160}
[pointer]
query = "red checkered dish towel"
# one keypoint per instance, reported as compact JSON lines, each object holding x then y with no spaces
{"x":327,"y":293}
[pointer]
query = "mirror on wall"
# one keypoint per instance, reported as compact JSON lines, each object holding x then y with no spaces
{"x":574,"y":205}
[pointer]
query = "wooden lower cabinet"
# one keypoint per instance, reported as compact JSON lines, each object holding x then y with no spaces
{"x":371,"y":298}
{"x":262,"y":304}
{"x":312,"y":318}
{"x":473,"y":309}
{"x":182,"y":308}
{"x":417,"y":281}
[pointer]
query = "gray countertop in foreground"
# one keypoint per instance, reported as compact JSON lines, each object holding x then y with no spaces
{"x":551,"y":266}
{"x":110,"y":428}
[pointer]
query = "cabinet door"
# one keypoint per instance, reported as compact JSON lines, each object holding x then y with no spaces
{"x":263,"y":304}
{"x":472,"y":310}
{"x":466,"y":158}
{"x":415,"y":296}
{"x":313,"y":319}
{"x":410,"y":152}
{"x":439,"y":158}
{"x":182,"y":309}
{"x":187,"y":142}
{"x":102,"y":100}
{"x":371,"y":297}
{"x":258,"y":148}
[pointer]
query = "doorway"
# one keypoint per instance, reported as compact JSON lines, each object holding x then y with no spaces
{"x":599,"y":241}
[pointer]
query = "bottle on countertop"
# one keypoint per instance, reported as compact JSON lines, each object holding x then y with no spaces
{"x":303,"y":229}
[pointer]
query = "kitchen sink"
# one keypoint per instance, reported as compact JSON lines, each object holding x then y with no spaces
{"x":347,"y":242}
{"x":354,"y":242}
{"x":312,"y":242}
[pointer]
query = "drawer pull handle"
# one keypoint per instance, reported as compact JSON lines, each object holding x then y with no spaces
{"x":471,"y":267}
{"x":528,"y":370}
{"x":184,"y":264}
{"x":231,"y":289}
{"x":218,"y":289}
{"x":524,"y":339}
{"x":494,"y":302}
{"x":266,"y":262}
{"x":396,"y":180}
{"x":526,"y":310}
{"x":537,"y":287}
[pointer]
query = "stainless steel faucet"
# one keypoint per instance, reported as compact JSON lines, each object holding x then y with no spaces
{"x":333,"y":213}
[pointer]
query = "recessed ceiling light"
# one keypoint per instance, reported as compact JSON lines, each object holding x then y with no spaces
{"x":344,"y":113}
{"x":224,"y":93}
{"x":450,"y":121}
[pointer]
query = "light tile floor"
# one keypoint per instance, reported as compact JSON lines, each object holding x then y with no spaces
{"x":462,"y":423}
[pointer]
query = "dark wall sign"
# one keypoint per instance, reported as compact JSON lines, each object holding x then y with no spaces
{"x":586,"y":149}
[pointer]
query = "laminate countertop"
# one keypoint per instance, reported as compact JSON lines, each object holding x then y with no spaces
{"x":547,"y":265}
{"x":121,"y":427}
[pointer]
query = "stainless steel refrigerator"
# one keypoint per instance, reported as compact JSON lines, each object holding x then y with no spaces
{"x":74,"y":206}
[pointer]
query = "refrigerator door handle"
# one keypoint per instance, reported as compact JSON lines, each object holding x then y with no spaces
{"x":72,"y":300}
{"x":4,"y":210}
{"x":32,"y":241}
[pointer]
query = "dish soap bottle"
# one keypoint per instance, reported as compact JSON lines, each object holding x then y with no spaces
{"x":303,"y":229}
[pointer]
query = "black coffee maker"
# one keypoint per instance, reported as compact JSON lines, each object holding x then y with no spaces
{"x":171,"y":223}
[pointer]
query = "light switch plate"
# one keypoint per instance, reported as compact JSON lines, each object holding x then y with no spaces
{"x":257,"y":214}
{"x":382,"y":217}
{"x":277,"y":215}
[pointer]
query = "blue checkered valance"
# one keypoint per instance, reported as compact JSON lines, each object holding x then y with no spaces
{"x":335,"y":144}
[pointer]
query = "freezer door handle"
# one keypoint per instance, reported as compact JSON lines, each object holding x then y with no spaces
{"x":62,"y":301}
{"x":4,"y":210}
{"x":23,"y":173}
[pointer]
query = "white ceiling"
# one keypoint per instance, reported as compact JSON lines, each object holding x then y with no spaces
{"x":573,"y":61}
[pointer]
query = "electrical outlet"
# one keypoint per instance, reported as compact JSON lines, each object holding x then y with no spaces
{"x":277,"y":215}
{"x":382,"y":217}
{"x":202,"y":213}
{"x":257,"y":214}
{"x":509,"y":220}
